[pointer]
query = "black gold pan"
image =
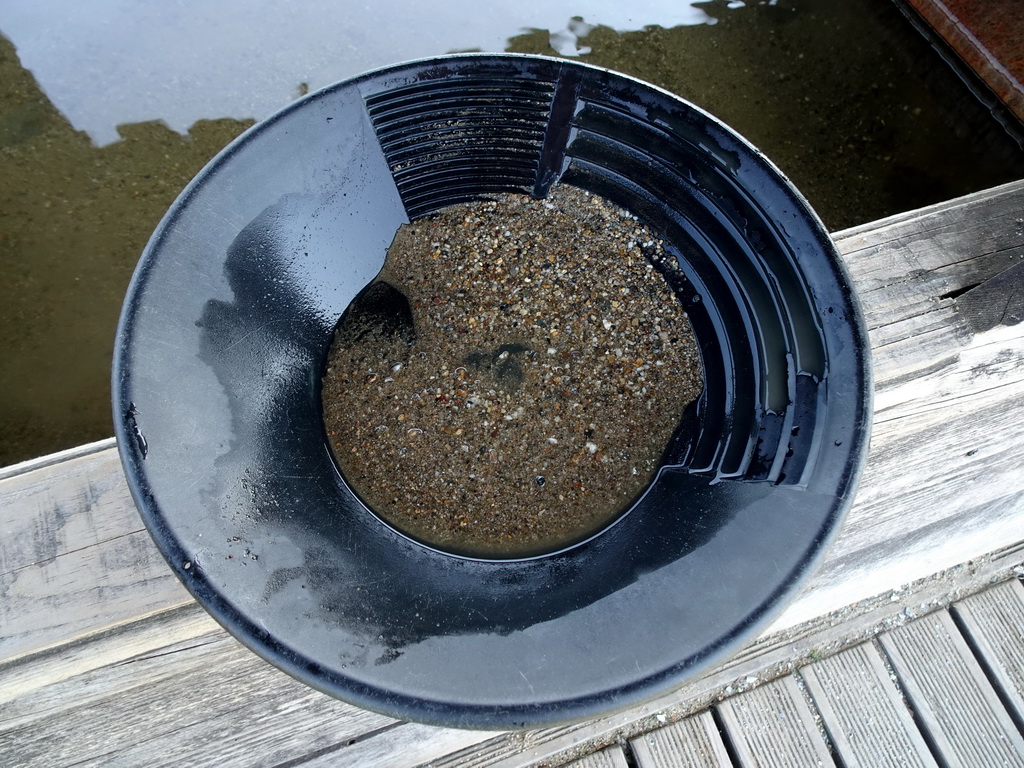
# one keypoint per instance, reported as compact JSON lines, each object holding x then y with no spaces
{"x":225,"y":331}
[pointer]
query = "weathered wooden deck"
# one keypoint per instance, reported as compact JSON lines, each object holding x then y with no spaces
{"x":899,"y":652}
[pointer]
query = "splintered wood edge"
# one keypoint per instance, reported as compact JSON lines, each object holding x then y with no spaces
{"x":51,"y":459}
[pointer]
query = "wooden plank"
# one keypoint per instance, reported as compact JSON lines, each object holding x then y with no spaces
{"x":173,"y":684}
{"x":905,"y":267}
{"x":406,"y":744}
{"x":691,"y":743}
{"x":993,"y":623}
{"x":612,"y":757}
{"x":203,"y":699}
{"x":956,"y":707}
{"x":51,"y":691}
{"x":947,"y":246}
{"x":948,"y":405}
{"x":772,"y":726}
{"x":93,"y":671}
{"x":905,"y":349}
{"x":24,"y":676}
{"x":409,"y":745}
{"x":41,"y":462}
{"x":74,"y":555}
{"x":762,"y":660}
{"x":863,"y":712}
{"x":942,"y":483}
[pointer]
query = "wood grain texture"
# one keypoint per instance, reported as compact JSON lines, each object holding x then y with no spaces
{"x":956,"y":706}
{"x":691,"y":743}
{"x":49,"y":693}
{"x":941,"y":484}
{"x":863,"y":712}
{"x":408,"y":745}
{"x":23,"y":677}
{"x":176,"y":686}
{"x":905,"y":268}
{"x":764,"y":657}
{"x":612,"y":757}
{"x":200,"y":700}
{"x":773,"y":727}
{"x":993,"y":623}
{"x":74,"y":555}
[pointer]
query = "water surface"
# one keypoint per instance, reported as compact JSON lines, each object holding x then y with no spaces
{"x":108,"y":108}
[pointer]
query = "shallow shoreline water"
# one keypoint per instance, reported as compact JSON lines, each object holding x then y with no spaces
{"x":850,"y":103}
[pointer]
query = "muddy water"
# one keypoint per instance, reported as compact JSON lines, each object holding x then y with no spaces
{"x":100,"y":129}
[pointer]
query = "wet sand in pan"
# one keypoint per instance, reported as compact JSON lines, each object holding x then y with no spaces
{"x":532,"y":397}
